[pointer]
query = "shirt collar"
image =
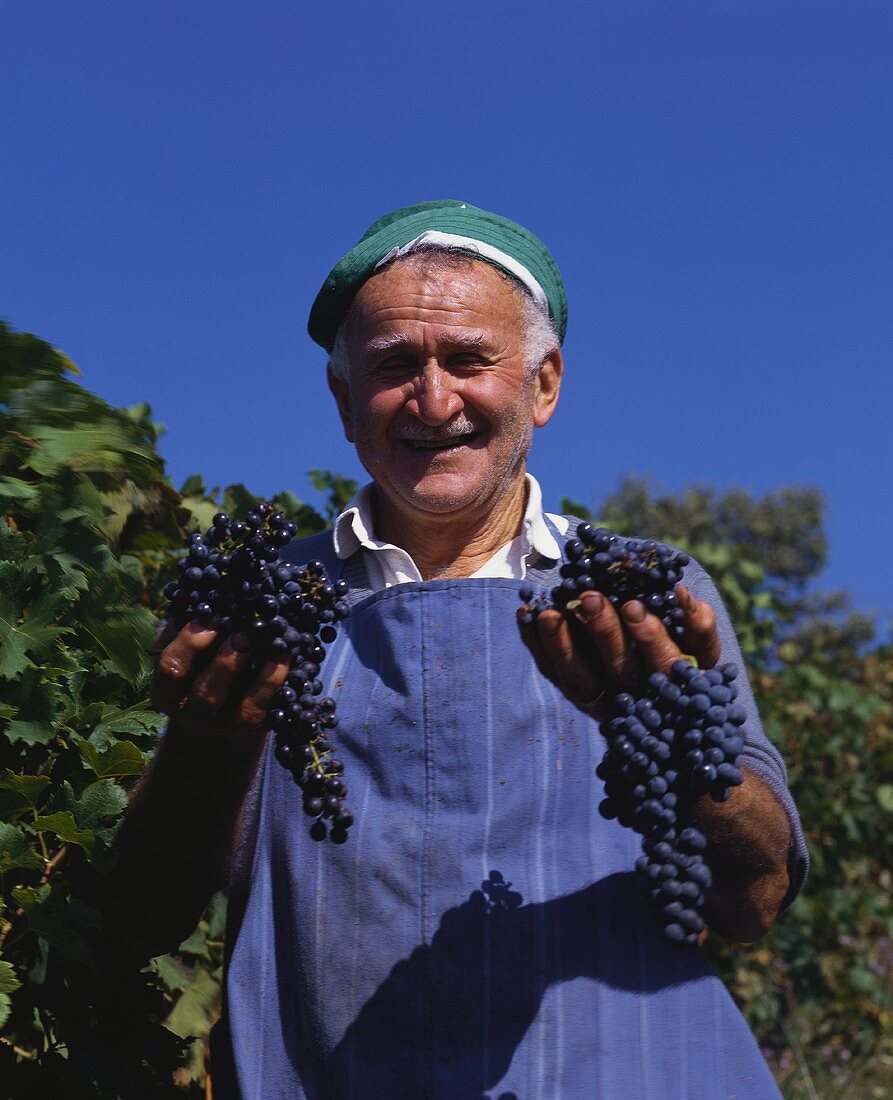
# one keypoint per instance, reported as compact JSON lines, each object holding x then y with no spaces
{"x":537,"y":539}
{"x":354,"y":526}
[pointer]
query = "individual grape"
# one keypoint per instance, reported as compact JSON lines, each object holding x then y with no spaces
{"x":232,"y":576}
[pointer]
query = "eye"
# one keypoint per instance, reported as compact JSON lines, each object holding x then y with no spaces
{"x":466,"y":360}
{"x":395,"y":365}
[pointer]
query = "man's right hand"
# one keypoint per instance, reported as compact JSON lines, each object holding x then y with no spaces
{"x":193,"y":787}
{"x":203,"y":685}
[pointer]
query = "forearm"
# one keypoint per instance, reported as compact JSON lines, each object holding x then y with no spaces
{"x":177,"y":838}
{"x":749,"y":840}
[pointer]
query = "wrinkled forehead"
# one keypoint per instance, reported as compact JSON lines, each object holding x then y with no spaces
{"x":450,"y":292}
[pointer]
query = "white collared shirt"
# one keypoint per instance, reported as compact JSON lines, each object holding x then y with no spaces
{"x":387,"y":564}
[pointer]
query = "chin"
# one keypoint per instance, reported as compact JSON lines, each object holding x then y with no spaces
{"x":440,"y":503}
{"x":439,"y":495}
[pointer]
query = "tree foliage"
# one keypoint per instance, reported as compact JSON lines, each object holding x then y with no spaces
{"x":90,"y":527}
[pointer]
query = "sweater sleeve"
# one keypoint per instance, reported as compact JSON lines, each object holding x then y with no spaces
{"x":759,"y":755}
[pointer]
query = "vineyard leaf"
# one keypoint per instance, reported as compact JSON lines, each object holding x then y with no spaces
{"x":13,"y":594}
{"x":202,"y":510}
{"x":27,"y":788}
{"x":174,"y":972}
{"x":98,"y":806}
{"x":122,"y":758}
{"x":9,"y":983}
{"x":237,"y":500}
{"x":125,"y":639}
{"x":215,"y":916}
{"x":885,"y":797}
{"x":30,"y":733}
{"x":197,"y":1008}
{"x":38,"y":702}
{"x":71,"y":569}
{"x":14,"y":546}
{"x":46,"y":919}
{"x":103,"y":448}
{"x":193,"y":1069}
{"x":62,"y":823}
{"x":34,"y":635}
{"x":14,"y":850}
{"x":193,"y":486}
{"x":120,"y":503}
{"x":12,"y":839}
{"x":137,"y":721}
{"x":196,"y":945}
{"x":14,"y":488}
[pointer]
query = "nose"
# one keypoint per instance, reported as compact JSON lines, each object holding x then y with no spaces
{"x":434,"y":398}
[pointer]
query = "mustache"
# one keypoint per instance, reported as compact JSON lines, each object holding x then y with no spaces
{"x":419,"y":432}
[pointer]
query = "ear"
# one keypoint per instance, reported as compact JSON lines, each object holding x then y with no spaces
{"x":340,"y":388}
{"x":548,"y":383}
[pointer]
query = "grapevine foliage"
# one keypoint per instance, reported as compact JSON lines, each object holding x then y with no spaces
{"x":90,"y":529}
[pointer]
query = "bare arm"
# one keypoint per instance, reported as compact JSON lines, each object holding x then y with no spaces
{"x":182,"y":822}
{"x":749,"y":842}
{"x":749,"y":835}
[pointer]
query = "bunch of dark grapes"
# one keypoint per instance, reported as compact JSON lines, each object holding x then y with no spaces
{"x":623,"y":569}
{"x":680,"y":739}
{"x":232,"y":578}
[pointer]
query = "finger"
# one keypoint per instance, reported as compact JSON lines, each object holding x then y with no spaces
{"x":602,"y":624}
{"x":701,"y":636}
{"x":530,"y":637}
{"x":210,"y":688}
{"x":177,"y":665}
{"x":257,"y":700}
{"x":657,"y":649}
{"x":578,"y":678}
{"x":164,"y":635}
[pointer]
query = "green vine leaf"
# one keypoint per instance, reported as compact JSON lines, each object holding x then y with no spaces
{"x":24,"y":789}
{"x":27,"y":633}
{"x":197,"y":1008}
{"x":122,"y":758}
{"x":137,"y":721}
{"x":62,"y":824}
{"x":30,"y":733}
{"x":14,"y":850}
{"x":45,"y":918}
{"x":9,"y":983}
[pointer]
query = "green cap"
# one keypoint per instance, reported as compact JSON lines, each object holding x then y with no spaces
{"x":489,"y":237}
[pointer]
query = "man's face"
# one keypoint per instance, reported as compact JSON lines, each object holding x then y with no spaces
{"x":439,"y":402}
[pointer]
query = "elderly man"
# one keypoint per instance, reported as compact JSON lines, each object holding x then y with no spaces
{"x":481,"y":933}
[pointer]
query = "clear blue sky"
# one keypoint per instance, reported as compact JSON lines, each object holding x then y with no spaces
{"x":714,"y":179}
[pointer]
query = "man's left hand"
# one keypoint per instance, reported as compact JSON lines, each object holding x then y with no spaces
{"x":610,"y":652}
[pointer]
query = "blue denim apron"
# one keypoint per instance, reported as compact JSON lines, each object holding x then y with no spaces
{"x":482,"y":932}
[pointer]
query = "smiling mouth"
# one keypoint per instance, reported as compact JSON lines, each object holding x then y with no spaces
{"x":440,"y":444}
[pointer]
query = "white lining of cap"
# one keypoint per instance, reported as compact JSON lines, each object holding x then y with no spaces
{"x":434,"y":236}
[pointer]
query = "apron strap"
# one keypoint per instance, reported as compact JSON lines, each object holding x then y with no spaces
{"x":546,"y":573}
